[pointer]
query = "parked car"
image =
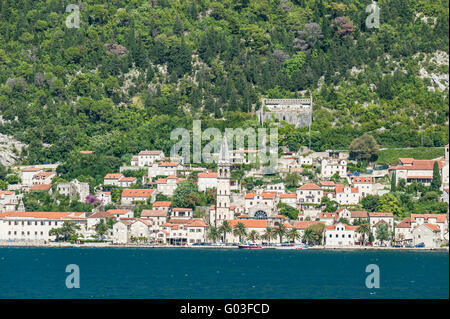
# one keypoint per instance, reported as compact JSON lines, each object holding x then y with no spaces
{"x":420,"y":245}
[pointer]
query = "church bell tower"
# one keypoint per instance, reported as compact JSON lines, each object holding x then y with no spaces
{"x":223,"y":185}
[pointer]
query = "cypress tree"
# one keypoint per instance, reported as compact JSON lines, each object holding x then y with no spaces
{"x":436,"y":182}
{"x":393,"y":183}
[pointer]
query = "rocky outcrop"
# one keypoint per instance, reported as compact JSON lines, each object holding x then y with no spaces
{"x":10,"y":149}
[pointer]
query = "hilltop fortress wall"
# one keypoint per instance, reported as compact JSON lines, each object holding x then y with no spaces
{"x":297,"y":112}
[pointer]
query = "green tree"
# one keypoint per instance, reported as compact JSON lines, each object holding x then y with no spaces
{"x":280,"y":231}
{"x":224,"y":229}
{"x":293,"y":235}
{"x":370,"y":202}
{"x":382,"y":232}
{"x":67,"y":230}
{"x":389,"y":203}
{"x":436,"y":181}
{"x":269,"y":233}
{"x":364,"y":148}
{"x":213,"y":234}
{"x":240,"y":230}
{"x":393,"y":183}
{"x":101,"y":228}
{"x":253,"y":235}
{"x":181,"y":193}
{"x":292,"y":179}
{"x":364,"y":230}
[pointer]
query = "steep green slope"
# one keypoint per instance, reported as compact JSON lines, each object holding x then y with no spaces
{"x":136,"y":69}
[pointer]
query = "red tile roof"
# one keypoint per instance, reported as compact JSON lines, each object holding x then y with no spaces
{"x":45,"y":215}
{"x":197,"y":223}
{"x":407,"y":160}
{"x":153,"y":213}
{"x":268,"y":195}
{"x":327,"y":183}
{"x":433,"y":227}
{"x":41,"y":187}
{"x":288,"y":195}
{"x":347,"y":227}
{"x":440,"y":218}
{"x":31,"y":169}
{"x":162,"y":204}
{"x":358,"y":214}
{"x":362,"y":180}
{"x":405,"y":223}
{"x":207,"y":175}
{"x":137,"y":192}
{"x":310,"y":187}
{"x":117,"y":211}
{"x":304,"y":223}
{"x":328,"y":215}
{"x":113,"y":176}
{"x":249,"y":223}
{"x":419,"y":165}
{"x":168,"y":164}
{"x":101,"y":215}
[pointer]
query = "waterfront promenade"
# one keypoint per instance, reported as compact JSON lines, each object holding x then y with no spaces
{"x":109,"y":245}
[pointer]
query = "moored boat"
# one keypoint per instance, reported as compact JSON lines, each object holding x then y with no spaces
{"x":250,"y":246}
{"x":291,"y":246}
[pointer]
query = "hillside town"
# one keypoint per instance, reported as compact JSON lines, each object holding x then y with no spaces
{"x":313,"y":199}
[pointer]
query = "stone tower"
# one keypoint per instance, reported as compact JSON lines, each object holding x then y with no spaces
{"x":223,"y":185}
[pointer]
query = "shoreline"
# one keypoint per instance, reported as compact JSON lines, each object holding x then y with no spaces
{"x":101,"y":245}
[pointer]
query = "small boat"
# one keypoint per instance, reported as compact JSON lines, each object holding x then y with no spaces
{"x":285,"y":246}
{"x":250,"y":246}
{"x":291,"y":246}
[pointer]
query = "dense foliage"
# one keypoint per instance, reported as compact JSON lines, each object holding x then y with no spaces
{"x":136,"y":69}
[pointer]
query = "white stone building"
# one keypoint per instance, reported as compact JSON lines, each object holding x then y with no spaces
{"x":35,"y":226}
{"x":105,"y":197}
{"x":364,"y":185}
{"x":147,"y":158}
{"x":411,"y":170}
{"x":112,"y":179}
{"x":345,"y":195}
{"x":340,"y":235}
{"x":73,"y":189}
{"x":167,"y":186}
{"x":331,"y":166}
{"x":206,"y":180}
{"x":164,"y":169}
{"x":182,"y":213}
{"x":133,"y":195}
{"x":289,"y":199}
{"x":428,"y":234}
{"x":126,"y":181}
{"x":27,"y":174}
{"x":309,"y":194}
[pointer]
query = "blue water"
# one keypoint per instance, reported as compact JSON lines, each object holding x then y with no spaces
{"x":221,"y":273}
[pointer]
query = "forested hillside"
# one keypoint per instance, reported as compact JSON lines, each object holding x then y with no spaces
{"x":136,"y":69}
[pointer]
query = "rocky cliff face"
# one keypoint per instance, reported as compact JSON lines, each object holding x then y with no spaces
{"x":10,"y":150}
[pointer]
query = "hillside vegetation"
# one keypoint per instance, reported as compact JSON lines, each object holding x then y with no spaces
{"x":136,"y":69}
